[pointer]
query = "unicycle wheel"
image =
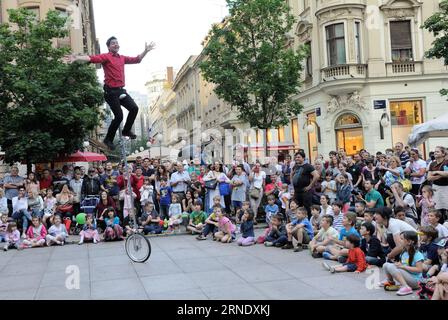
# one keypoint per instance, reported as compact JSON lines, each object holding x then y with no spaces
{"x":138,"y":247}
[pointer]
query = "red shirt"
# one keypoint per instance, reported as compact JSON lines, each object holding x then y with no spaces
{"x":356,"y":256}
{"x":136,"y":184}
{"x":113,"y":66}
{"x":45,"y":183}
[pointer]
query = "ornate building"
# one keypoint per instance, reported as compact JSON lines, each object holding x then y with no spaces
{"x":367,"y":81}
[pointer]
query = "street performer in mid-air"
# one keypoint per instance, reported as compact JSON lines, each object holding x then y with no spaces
{"x":114,"y":82}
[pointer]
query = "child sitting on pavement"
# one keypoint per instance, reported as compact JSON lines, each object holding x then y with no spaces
{"x":12,"y":237}
{"x":197,"y":219}
{"x":211,"y":224}
{"x":35,"y":235}
{"x":338,"y":251}
{"x":371,"y":245}
{"x":315,"y":218}
{"x":57,"y":234}
{"x":89,"y":231}
{"x":301,"y":230}
{"x":356,"y":261}
{"x":247,"y":229}
{"x":113,"y":229}
{"x":324,"y":237}
{"x":428,"y":247}
{"x":226,"y":229}
{"x":407,"y":272}
{"x":338,"y":215}
{"x":271,"y":208}
{"x":175,"y":214}
{"x":277,"y":236}
{"x":153,"y":224}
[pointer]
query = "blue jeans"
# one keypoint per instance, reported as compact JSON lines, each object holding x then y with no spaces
{"x":25,"y":215}
{"x":153,"y":228}
{"x":164,"y":209}
{"x":351,"y":267}
{"x":375,"y":261}
{"x":209,"y":228}
{"x":279,"y":240}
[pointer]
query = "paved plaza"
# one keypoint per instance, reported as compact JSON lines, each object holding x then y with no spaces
{"x":180,"y":267}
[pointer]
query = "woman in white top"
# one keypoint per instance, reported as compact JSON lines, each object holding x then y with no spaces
{"x":215,"y":173}
{"x":257,"y":181}
{"x":416,"y":169}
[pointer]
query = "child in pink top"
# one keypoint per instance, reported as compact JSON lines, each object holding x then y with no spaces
{"x":35,"y":236}
{"x":425,"y":202}
{"x":226,"y":228}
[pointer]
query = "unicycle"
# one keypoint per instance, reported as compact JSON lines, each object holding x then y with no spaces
{"x":137,"y":246}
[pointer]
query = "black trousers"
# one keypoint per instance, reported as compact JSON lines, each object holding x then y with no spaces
{"x":112,"y":97}
{"x":304,"y":199}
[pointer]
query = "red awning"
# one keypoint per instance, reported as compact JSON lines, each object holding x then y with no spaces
{"x":82,"y":157}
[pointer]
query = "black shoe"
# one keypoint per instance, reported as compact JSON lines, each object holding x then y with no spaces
{"x":109,"y":144}
{"x":129,"y":134}
{"x":288,"y":246}
{"x":278,"y":245}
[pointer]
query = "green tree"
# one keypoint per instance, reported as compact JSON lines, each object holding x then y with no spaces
{"x":254,"y":68}
{"x":47,"y":107}
{"x":438,"y":25}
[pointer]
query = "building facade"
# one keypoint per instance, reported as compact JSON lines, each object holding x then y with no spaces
{"x":82,"y":35}
{"x":82,"y":38}
{"x":367,"y":81}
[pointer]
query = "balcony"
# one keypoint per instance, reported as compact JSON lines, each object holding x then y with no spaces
{"x":404,"y":68}
{"x":343,"y":78}
{"x":324,"y":4}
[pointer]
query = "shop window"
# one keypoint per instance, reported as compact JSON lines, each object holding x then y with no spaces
{"x":404,"y":115}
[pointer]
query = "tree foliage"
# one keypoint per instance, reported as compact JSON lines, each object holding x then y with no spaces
{"x":438,"y":25}
{"x":251,"y":63}
{"x":47,"y":107}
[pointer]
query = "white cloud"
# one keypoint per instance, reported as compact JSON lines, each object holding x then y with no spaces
{"x":176,"y":26}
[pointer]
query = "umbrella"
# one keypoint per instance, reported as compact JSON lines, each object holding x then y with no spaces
{"x":436,"y":128}
{"x":83,"y":157}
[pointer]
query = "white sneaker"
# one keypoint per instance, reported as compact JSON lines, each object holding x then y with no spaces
{"x":80,"y":242}
{"x":95,"y":241}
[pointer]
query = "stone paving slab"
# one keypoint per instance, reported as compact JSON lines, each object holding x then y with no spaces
{"x":180,"y":267}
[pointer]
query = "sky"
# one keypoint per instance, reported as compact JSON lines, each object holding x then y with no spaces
{"x":176,"y":26}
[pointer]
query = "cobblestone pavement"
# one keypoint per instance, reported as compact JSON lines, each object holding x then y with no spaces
{"x":180,"y":267}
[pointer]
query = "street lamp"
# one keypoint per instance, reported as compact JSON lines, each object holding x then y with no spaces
{"x":309,"y":126}
{"x":384,"y":123}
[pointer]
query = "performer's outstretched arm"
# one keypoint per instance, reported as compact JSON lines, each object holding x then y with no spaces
{"x":148,"y":47}
{"x":76,"y":58}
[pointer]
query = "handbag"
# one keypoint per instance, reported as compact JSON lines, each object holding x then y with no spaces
{"x":211,"y":184}
{"x":407,"y":184}
{"x":224,"y":189}
{"x":255,"y":193}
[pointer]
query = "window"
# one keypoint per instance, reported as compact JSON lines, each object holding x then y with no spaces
{"x":309,"y":60}
{"x":401,"y":40}
{"x":295,"y":131}
{"x":35,"y":11}
{"x":281,"y":134}
{"x":335,"y":44}
{"x":358,"y":42}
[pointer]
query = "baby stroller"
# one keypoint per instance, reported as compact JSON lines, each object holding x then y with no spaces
{"x":87,"y":206}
